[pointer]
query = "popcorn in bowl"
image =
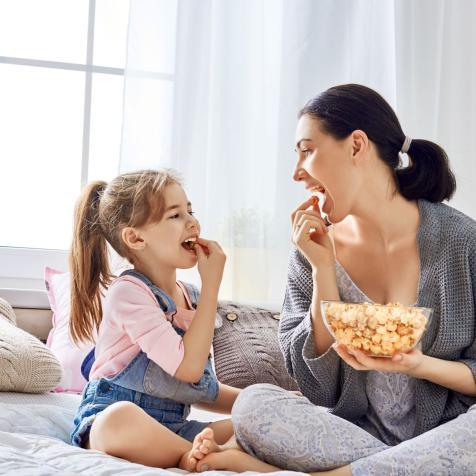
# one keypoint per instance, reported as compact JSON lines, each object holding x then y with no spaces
{"x":378,"y":330}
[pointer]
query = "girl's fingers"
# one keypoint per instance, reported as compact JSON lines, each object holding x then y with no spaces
{"x":209,"y":243}
{"x":210,"y":246}
{"x":199,"y":250}
{"x":214,"y":247}
{"x":203,"y":241}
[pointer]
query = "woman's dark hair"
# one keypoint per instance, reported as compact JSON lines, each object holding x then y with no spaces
{"x":343,"y":109}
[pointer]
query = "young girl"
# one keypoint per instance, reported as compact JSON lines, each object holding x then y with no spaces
{"x":154,"y":334}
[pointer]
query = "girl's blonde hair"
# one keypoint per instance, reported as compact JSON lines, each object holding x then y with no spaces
{"x":101,"y":212}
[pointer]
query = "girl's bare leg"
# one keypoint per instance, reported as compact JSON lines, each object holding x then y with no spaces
{"x":126,"y":431}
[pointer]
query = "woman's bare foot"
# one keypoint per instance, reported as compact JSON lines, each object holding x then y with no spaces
{"x":203,"y":444}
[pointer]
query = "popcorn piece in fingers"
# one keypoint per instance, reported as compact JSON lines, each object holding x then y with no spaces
{"x":315,"y":203}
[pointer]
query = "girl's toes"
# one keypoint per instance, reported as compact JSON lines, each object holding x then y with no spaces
{"x":192,"y":464}
{"x":207,"y":434}
{"x":204,"y":449}
{"x":197,"y":454}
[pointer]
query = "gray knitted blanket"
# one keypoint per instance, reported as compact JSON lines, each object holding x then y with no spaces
{"x":447,"y":246}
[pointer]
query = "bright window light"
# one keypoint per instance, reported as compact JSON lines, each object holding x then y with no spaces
{"x":53,"y":30}
{"x":42,"y":119}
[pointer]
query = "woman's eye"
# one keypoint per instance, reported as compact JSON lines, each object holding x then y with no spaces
{"x":191,"y":213}
{"x":174,"y":216}
{"x":306,"y":152}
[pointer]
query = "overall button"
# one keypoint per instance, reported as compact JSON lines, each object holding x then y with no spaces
{"x":231,"y":316}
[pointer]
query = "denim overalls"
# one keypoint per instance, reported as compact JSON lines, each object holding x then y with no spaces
{"x":144,"y":383}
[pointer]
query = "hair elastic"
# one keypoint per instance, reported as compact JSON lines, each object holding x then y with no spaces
{"x":406,"y":145}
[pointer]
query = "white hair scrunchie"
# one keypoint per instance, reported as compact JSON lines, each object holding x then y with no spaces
{"x":406,"y":145}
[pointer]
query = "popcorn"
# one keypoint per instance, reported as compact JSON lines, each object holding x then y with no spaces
{"x":375,"y":329}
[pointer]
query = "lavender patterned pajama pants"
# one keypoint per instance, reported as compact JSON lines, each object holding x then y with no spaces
{"x":290,"y":432}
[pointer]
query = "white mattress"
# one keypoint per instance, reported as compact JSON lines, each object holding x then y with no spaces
{"x":34,"y":440}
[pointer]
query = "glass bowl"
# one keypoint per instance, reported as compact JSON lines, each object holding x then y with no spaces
{"x":378,"y":330}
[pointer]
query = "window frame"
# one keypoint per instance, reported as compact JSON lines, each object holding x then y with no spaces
{"x":22,"y":269}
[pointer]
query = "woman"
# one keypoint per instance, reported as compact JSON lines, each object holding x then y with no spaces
{"x":392,"y":240}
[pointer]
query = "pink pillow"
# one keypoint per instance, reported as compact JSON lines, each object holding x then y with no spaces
{"x":70,"y":355}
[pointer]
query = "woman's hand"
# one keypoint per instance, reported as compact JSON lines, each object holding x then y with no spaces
{"x":310,"y":235}
{"x":211,"y":261}
{"x":404,"y":363}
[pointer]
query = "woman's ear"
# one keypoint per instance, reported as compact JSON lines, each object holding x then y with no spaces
{"x":132,"y":238}
{"x":360,"y":145}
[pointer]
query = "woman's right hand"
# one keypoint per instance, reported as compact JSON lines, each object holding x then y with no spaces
{"x":310,"y":235}
{"x":211,"y":261}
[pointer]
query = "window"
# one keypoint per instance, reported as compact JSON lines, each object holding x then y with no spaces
{"x":61,"y":89}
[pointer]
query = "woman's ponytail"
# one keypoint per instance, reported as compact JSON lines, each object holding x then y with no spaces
{"x":89,"y":265}
{"x":343,"y":109}
{"x":428,"y":175}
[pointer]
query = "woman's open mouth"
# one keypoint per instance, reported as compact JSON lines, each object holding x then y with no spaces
{"x":325,"y":202}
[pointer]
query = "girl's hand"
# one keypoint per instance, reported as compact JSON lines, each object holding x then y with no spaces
{"x":404,"y":363}
{"x":211,"y":261}
{"x":310,"y":235}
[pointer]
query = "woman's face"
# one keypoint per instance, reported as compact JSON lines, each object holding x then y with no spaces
{"x":326,"y":165}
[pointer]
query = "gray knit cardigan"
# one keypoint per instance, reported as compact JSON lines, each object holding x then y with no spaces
{"x":447,"y":246}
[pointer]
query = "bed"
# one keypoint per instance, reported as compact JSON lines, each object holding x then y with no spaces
{"x":34,"y":435}
{"x":35,"y":428}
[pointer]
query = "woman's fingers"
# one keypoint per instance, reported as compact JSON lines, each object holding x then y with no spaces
{"x":308,"y":228}
{"x":307,"y":216}
{"x":349,"y":359}
{"x":304,"y":206}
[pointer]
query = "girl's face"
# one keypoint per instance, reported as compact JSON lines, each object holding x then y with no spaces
{"x":165,"y":242}
{"x":326,"y":165}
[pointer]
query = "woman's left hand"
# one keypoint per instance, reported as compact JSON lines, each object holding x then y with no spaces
{"x":404,"y":363}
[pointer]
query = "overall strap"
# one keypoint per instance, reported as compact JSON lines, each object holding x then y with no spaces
{"x":193,"y":293}
{"x":166,"y":303}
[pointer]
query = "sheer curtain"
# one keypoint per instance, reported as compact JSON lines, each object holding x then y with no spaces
{"x":213,"y":88}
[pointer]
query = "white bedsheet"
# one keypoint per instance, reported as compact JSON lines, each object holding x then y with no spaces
{"x":34,"y":440}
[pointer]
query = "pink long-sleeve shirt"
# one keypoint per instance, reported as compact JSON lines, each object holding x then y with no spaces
{"x":133,"y":321}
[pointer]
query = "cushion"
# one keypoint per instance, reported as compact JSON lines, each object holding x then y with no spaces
{"x":246,"y":348}
{"x":245,"y":344}
{"x":26,"y":364}
{"x":69,"y":354}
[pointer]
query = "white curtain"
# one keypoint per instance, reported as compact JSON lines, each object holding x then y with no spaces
{"x":213,"y":88}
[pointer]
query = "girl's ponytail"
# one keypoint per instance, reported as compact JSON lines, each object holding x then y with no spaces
{"x":89,"y":265}
{"x":428,"y":174}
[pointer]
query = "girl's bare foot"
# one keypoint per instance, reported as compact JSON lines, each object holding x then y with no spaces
{"x":203,"y":444}
{"x":232,"y":460}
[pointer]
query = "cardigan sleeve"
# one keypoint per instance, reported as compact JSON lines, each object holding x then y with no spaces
{"x":318,"y":377}
{"x":469,"y":355}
